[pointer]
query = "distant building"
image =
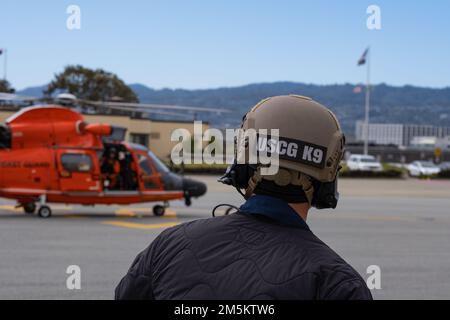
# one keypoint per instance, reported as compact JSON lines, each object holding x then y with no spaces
{"x":423,"y":142}
{"x":443,"y":143}
{"x":398,"y":134}
{"x":380,"y":133}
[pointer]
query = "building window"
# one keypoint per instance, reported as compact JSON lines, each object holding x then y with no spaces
{"x":139,"y":138}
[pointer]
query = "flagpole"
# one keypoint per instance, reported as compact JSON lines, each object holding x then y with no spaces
{"x":367,"y":107}
{"x":5,"y":64}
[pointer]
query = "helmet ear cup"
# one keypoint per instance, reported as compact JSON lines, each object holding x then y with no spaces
{"x":238,"y":175}
{"x":325,"y":195}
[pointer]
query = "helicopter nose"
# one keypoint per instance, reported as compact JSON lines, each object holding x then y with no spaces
{"x":193,"y":188}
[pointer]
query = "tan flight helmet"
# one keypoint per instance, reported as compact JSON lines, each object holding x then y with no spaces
{"x":313,"y":131}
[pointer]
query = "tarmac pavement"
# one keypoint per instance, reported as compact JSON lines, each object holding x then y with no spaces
{"x":402,"y":226}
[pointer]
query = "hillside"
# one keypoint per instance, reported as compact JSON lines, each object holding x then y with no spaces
{"x":405,"y":104}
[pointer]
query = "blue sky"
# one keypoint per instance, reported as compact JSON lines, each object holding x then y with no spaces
{"x":206,"y":44}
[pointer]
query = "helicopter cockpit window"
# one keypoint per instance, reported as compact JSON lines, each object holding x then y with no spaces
{"x":75,"y":162}
{"x":159,"y":165}
{"x":144,"y":165}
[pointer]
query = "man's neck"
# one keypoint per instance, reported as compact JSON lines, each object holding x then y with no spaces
{"x":301,"y":209}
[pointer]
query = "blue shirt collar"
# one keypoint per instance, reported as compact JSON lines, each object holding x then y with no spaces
{"x":273,"y":208}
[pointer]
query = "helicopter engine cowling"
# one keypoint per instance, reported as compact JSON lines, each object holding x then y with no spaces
{"x":99,"y":129}
{"x":45,"y":126}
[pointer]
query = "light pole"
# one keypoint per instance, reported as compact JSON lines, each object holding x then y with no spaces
{"x":367,"y":106}
{"x":365,"y":60}
{"x":5,"y":62}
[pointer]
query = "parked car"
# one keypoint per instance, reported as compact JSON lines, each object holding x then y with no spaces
{"x":444,"y":166}
{"x":360,"y":162}
{"x":422,"y":168}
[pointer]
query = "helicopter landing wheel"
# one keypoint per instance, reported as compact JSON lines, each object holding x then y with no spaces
{"x":45,"y":212}
{"x":159,"y":210}
{"x":29,"y":207}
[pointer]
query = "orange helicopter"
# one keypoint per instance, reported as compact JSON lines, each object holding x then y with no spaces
{"x":49,"y":154}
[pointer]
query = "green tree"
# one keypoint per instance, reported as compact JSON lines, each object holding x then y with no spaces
{"x":5,"y":86}
{"x":89,"y":84}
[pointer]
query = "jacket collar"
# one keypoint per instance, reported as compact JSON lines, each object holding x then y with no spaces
{"x":273,"y":208}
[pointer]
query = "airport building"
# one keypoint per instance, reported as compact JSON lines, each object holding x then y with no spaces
{"x":154,"y":134}
{"x":380,"y":133}
{"x":398,"y":134}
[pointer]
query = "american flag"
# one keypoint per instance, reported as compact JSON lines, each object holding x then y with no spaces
{"x":357,"y":89}
{"x":362,"y":60}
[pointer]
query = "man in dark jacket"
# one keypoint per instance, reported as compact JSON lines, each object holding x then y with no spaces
{"x":265,"y":250}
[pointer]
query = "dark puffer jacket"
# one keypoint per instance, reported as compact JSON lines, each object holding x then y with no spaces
{"x":240,"y":256}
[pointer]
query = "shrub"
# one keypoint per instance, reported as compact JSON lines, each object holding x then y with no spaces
{"x":389,"y":171}
{"x":444,"y":174}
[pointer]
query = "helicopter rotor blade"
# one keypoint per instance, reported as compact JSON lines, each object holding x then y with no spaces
{"x":125,"y":106}
{"x":5,"y":96}
{"x":149,"y":111}
{"x":155,"y":106}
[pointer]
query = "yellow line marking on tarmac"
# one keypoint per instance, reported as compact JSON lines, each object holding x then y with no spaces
{"x":10,"y":208}
{"x":142,"y":226}
{"x":170,"y":213}
{"x":125,"y":213}
{"x":140,"y":209}
{"x":133,"y":212}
